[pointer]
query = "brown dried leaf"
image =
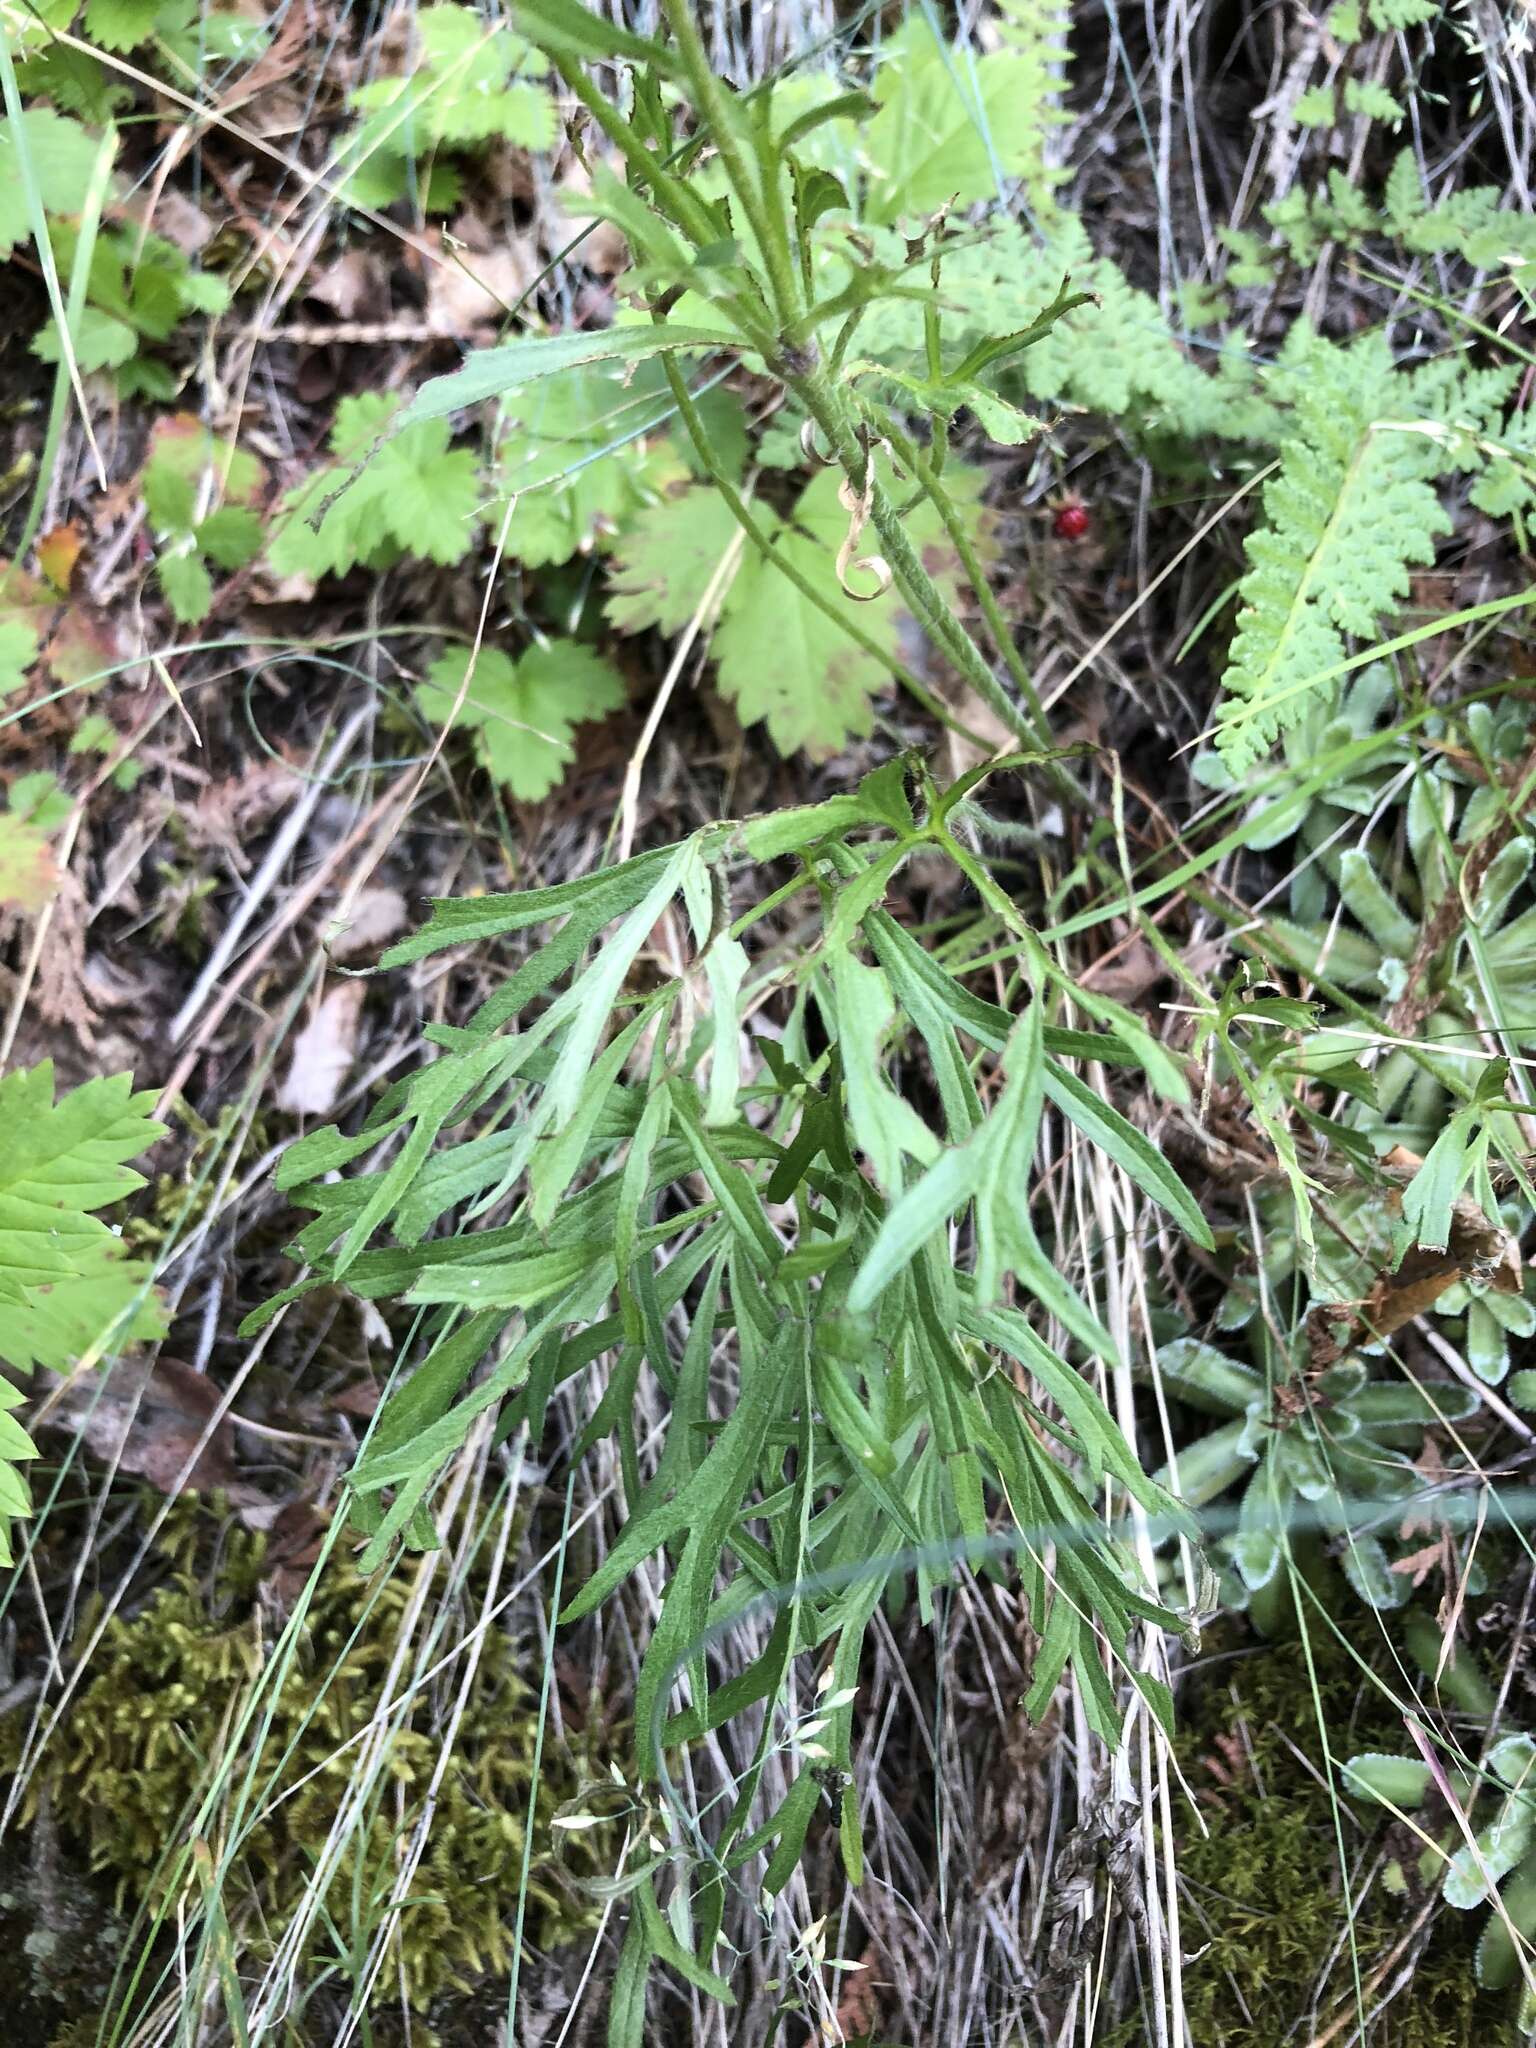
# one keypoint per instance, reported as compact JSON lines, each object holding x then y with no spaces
{"x":58,"y":550}
{"x":294,"y":1543}
{"x":171,"y":214}
{"x":993,"y":736}
{"x":361,"y":1398}
{"x":858,"y":2009}
{"x":1126,"y":973}
{"x":151,"y":1419}
{"x":376,"y":916}
{"x":323,"y":1053}
{"x":230,"y":812}
{"x":467,"y":297}
{"x":353,"y":286}
{"x":604,"y":251}
{"x":1418,"y":1564}
{"x":290,"y":50}
{"x":1477,"y":1250}
{"x":86,"y":647}
{"x":60,"y":992}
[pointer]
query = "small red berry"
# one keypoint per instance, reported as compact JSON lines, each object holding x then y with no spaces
{"x":1072,"y":521}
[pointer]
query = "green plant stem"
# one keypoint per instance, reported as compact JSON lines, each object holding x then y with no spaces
{"x":752,"y":527}
{"x":796,"y":275}
{"x":769,"y":904}
{"x":79,"y":286}
{"x":687,"y":210}
{"x":709,"y":97}
{"x":927,"y":475}
{"x":821,"y":400}
{"x":824,"y":403}
{"x":678,"y":204}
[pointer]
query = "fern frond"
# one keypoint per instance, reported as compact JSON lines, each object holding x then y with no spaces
{"x":1035,"y":34}
{"x":1116,"y":355}
{"x":1348,"y":514}
{"x":64,"y":1282}
{"x":1474,"y":224}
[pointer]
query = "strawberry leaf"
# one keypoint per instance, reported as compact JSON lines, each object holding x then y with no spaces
{"x":187,"y":587}
{"x":60,"y":157}
{"x":666,"y":563}
{"x":523,"y":712}
{"x":782,"y":659}
{"x":413,"y":494}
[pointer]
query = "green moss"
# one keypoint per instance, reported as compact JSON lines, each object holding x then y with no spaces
{"x":1262,"y":1897}
{"x":155,"y":1725}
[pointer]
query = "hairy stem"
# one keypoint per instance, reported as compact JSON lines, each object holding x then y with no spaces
{"x":744,"y":516}
{"x":927,"y":475}
{"x":710,"y":98}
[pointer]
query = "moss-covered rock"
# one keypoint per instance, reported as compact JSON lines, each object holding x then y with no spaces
{"x":156,"y":1726}
{"x":1263,"y":1898}
{"x":60,"y":1944}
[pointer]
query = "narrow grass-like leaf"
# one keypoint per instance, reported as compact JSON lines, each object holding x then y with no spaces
{"x":1132,"y":1150}
{"x":584,"y":1009}
{"x":914,"y":1217}
{"x":730,"y":1186}
{"x":557,"y":1162}
{"x":491,"y":371}
{"x":471,"y":920}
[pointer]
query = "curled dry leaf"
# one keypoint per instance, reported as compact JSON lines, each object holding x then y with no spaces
{"x":70,"y":640}
{"x":170,"y":214}
{"x":604,"y":251}
{"x":1417,"y":1566}
{"x":856,"y":504}
{"x":1477,"y":1250}
{"x":295,"y":1539}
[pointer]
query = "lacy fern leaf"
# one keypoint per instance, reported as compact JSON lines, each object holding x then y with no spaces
{"x":1034,"y":33}
{"x":1115,"y":355}
{"x":1350,"y":511}
{"x":65,"y":1285}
